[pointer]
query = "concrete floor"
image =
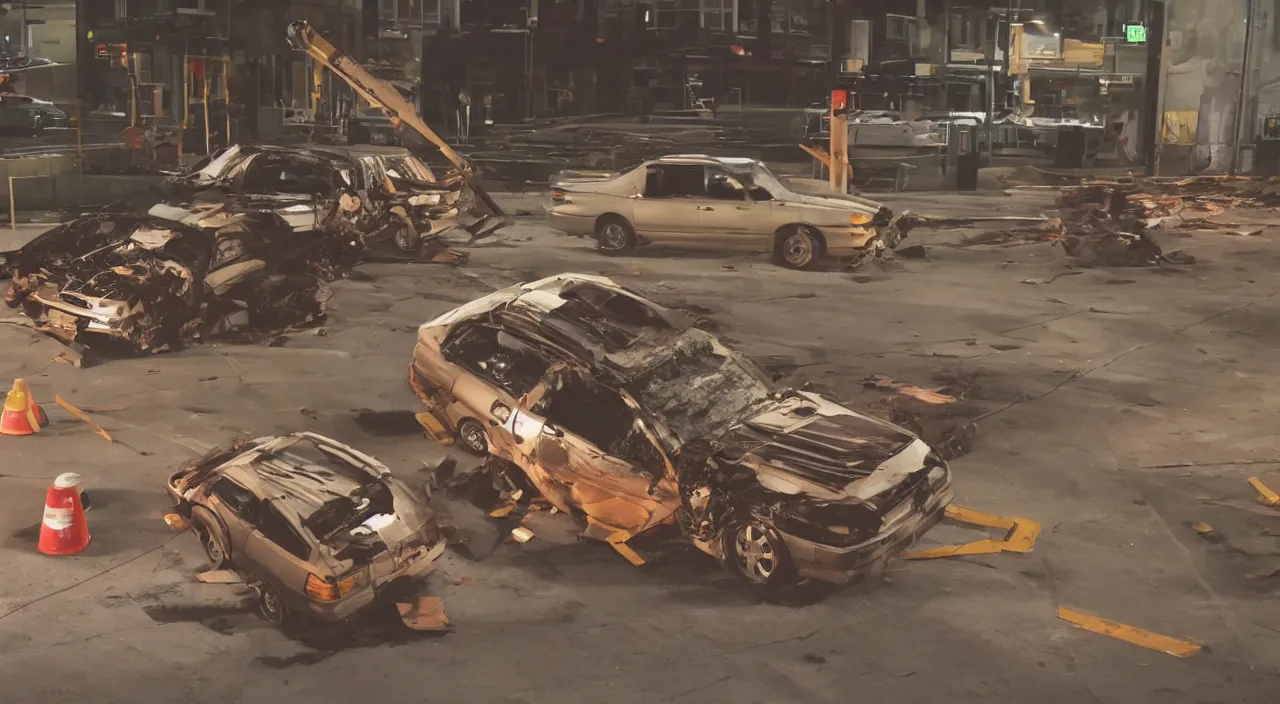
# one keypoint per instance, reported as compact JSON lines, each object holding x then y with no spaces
{"x":1118,"y":403}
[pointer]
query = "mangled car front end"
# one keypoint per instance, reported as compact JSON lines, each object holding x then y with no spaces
{"x":811,"y":489}
{"x":137,"y":279}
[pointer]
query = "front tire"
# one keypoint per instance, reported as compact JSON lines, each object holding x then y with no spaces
{"x":798,"y":248}
{"x":754,"y":551}
{"x":614,"y":235}
{"x":472,"y":436}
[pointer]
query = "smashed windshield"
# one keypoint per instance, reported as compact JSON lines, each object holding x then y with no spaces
{"x":699,"y":389}
{"x":757,"y":175}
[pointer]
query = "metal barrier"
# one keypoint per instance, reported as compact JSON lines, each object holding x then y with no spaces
{"x":13,"y":211}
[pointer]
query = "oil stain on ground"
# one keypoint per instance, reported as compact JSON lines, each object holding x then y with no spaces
{"x":387,"y":423}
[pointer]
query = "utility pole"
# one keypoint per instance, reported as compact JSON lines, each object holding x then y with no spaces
{"x":1240,"y":122}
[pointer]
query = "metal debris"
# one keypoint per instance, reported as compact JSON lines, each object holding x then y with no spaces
{"x":877,"y":381}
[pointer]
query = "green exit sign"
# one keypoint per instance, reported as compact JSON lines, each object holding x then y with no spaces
{"x":1135,"y":34}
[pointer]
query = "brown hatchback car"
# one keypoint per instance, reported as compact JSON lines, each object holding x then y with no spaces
{"x":316,"y":527}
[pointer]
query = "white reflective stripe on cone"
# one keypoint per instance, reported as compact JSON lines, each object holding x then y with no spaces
{"x":58,"y":518}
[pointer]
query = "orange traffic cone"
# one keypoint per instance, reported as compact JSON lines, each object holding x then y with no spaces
{"x":21,"y":415}
{"x":64,"y":530}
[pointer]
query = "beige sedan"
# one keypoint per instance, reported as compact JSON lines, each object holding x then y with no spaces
{"x":718,"y":204}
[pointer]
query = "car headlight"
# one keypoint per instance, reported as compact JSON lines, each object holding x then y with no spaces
{"x":859,"y":219}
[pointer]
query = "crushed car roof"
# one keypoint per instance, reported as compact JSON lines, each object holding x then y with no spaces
{"x":303,"y":470}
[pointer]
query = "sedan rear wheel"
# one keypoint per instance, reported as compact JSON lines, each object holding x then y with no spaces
{"x":615,"y":235}
{"x":271,"y":605}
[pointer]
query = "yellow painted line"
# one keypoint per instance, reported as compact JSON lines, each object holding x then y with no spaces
{"x":82,"y":416}
{"x":435,"y":429}
{"x":631,"y":555}
{"x":1020,"y":537}
{"x":1129,"y":634}
{"x":1023,"y":536}
{"x":968,"y":515}
{"x":1265,"y":495}
{"x":977,"y":547}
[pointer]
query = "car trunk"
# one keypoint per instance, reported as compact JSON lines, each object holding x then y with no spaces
{"x":372,"y":527}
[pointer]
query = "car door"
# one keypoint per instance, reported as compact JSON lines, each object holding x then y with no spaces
{"x":278,"y":553}
{"x":238,"y":509}
{"x":730,"y":218}
{"x":667,"y":211}
{"x":590,"y":450}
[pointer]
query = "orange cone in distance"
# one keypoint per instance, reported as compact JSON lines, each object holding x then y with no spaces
{"x":64,"y":530}
{"x":21,"y":416}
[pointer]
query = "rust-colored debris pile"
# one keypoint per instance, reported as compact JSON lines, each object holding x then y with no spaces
{"x":1104,"y":224}
{"x":1108,"y":222}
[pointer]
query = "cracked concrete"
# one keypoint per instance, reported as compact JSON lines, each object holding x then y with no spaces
{"x":1115,"y":430}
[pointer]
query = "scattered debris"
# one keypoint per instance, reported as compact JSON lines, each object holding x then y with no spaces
{"x":1129,"y":634}
{"x":1051,"y":279}
{"x":1020,"y":536}
{"x":177,"y":522}
{"x":883,"y":382}
{"x":425,"y":614}
{"x":219,"y":577}
{"x":1206,"y":531}
{"x":1102,"y":226}
{"x":1265,"y":495}
{"x":521,"y":534}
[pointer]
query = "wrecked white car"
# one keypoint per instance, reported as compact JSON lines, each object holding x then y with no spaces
{"x":157,"y":285}
{"x":316,"y":527}
{"x":385,"y":197}
{"x":620,"y":412}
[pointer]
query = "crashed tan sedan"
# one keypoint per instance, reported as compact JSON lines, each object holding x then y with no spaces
{"x":717,"y":204}
{"x":622,"y":414}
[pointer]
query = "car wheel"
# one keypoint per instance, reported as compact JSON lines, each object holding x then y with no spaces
{"x":754,"y":551}
{"x":614,"y":235}
{"x":271,"y":606}
{"x":407,"y":239}
{"x":211,"y":539}
{"x":798,"y":248}
{"x":473,"y":437}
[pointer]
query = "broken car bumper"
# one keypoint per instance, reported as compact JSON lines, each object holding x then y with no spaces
{"x":357,"y":600}
{"x":837,"y":565}
{"x":846,"y":241}
{"x":576,"y":225}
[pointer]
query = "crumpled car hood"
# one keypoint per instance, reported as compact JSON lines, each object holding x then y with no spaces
{"x":805,"y":444}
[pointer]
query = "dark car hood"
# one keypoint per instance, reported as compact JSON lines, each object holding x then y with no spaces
{"x":805,"y":443}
